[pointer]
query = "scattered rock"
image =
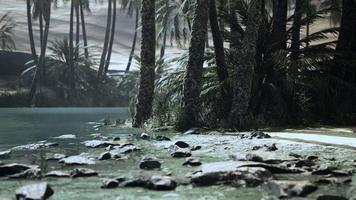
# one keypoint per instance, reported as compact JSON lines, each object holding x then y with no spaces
{"x":105,"y":156}
{"x":312,"y":157}
{"x":34,"y":192}
{"x":110,"y":183}
{"x":255,"y":134}
{"x":323,"y":169}
{"x":35,"y":146}
{"x":330,"y":197}
{"x":77,"y":160}
{"x":149,"y":162}
{"x":295,"y":155}
{"x":192,"y":162}
{"x":161,"y":183}
{"x":118,"y":151}
{"x":33,"y":173}
{"x":131,"y":181}
{"x":162,"y":138}
{"x":14,"y":168}
{"x":57,"y":174}
{"x":82,"y":172}
{"x":230,"y":173}
{"x":67,"y":136}
{"x":57,"y":156}
{"x":5,"y":154}
{"x":97,"y":143}
{"x":334,"y":181}
{"x":116,"y":138}
{"x":195,"y":148}
{"x":273,"y":147}
{"x":287,"y":189}
{"x":182,"y":144}
{"x":144,"y":136}
{"x":192,"y":131}
{"x":161,"y":129}
{"x":255,"y":148}
{"x":180,"y":153}
{"x":305,"y":163}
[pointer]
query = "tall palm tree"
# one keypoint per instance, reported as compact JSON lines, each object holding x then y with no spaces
{"x":193,"y":76}
{"x":46,"y":12}
{"x":84,"y":4}
{"x":133,"y":46}
{"x":7,"y":25}
{"x":280,"y":11}
{"x":112,"y":37}
{"x":30,"y":31}
{"x":71,"y":47}
{"x":240,"y":113}
{"x":147,"y":70}
{"x":297,"y":22}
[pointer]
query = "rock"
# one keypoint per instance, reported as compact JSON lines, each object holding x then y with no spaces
{"x":82,"y":172}
{"x":35,"y":146}
{"x":274,"y":159}
{"x":181,"y":153}
{"x":57,"y":156}
{"x":57,"y":174}
{"x":14,"y":168}
{"x":182,"y":144}
{"x":255,"y":134}
{"x":323,"y":169}
{"x":192,"y":162}
{"x":37,"y":191}
{"x":230,"y":173}
{"x":192,"y":131}
{"x":110,"y":183}
{"x":33,"y":173}
{"x":97,"y":143}
{"x":131,"y":181}
{"x":255,"y":148}
{"x":162,"y":138}
{"x":273,"y":147}
{"x":295,"y":155}
{"x":4,"y":154}
{"x":161,"y":129}
{"x":287,"y":189}
{"x":144,"y":136}
{"x":105,"y":156}
{"x":330,"y":197}
{"x":67,"y":136}
{"x":149,"y":162}
{"x":195,"y":148}
{"x":334,"y":181}
{"x":116,"y":138}
{"x":77,"y":160}
{"x":161,"y":183}
{"x":305,"y":163}
{"x":118,"y":151}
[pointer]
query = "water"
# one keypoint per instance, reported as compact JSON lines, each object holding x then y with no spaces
{"x":26,"y":125}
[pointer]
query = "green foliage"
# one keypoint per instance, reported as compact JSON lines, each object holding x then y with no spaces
{"x":7,"y":25}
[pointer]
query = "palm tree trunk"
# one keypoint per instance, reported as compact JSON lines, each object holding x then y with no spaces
{"x":30,"y":32}
{"x":193,"y":77}
{"x":42,"y":59}
{"x":41,"y":25}
{"x":133,"y":47}
{"x":297,"y":21}
{"x":106,"y":41}
{"x":147,"y":70}
{"x":85,"y":40}
{"x":112,"y":37}
{"x":164,"y":44}
{"x":77,"y":33}
{"x":220,"y":57}
{"x":71,"y":48}
{"x":280,"y":10}
{"x":240,"y":113}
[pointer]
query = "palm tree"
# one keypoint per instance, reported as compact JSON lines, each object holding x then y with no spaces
{"x":112,"y":37}
{"x":193,"y":76}
{"x":297,"y":22}
{"x":84,"y":4}
{"x":280,"y":11}
{"x":106,"y":41}
{"x":30,"y":31}
{"x":71,"y":47}
{"x":6,"y":32}
{"x":46,"y":13}
{"x":133,"y":46}
{"x":240,"y":113}
{"x":147,"y":70}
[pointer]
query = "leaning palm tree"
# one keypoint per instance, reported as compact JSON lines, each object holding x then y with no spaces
{"x":193,"y":76}
{"x":6,"y":32}
{"x":147,"y":71}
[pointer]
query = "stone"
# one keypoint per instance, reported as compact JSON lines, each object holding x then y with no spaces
{"x":33,"y":173}
{"x":273,"y":147}
{"x":330,"y":197}
{"x":149,"y":162}
{"x":182,"y":144}
{"x":195,"y":148}
{"x":144,"y":136}
{"x":116,"y":138}
{"x":14,"y":168}
{"x":161,"y":183}
{"x":36,"y":191}
{"x":305,"y":163}
{"x":334,"y":181}
{"x":35,"y":146}
{"x":162,"y":138}
{"x":97,"y":143}
{"x":192,"y":131}
{"x":110,"y":183}
{"x":323,"y":169}
{"x":57,"y":174}
{"x":230,"y":173}
{"x":104,"y":156}
{"x":192,"y":162}
{"x":255,"y":148}
{"x":67,"y":136}
{"x":56,"y":156}
{"x":77,"y":160}
{"x":181,"y":153}
{"x":255,"y":135}
{"x":312,"y":157}
{"x":132,"y":181}
{"x":287,"y":189}
{"x":82,"y":172}
{"x":5,"y":154}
